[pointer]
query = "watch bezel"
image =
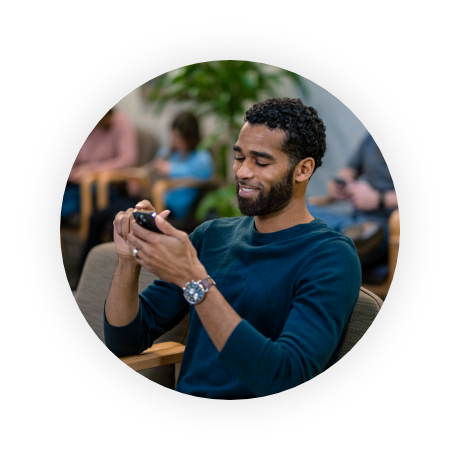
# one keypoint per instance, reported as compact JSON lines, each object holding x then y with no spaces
{"x":187,"y":296}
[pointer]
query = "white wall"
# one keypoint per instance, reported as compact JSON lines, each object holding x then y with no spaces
{"x":344,"y":131}
{"x":144,"y":115}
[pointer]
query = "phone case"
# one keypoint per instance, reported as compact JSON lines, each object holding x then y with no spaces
{"x":146,"y":219}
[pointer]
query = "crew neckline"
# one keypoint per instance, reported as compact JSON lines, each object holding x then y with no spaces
{"x":281,"y":235}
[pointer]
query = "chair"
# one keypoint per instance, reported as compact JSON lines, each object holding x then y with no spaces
{"x":393,"y":247}
{"x":91,"y":293}
{"x":147,"y":147}
{"x":161,"y":362}
{"x":146,"y":150}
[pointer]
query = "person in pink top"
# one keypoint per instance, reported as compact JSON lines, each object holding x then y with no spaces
{"x":111,"y":145}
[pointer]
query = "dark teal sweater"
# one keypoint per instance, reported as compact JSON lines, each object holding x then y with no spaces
{"x":294,"y":289}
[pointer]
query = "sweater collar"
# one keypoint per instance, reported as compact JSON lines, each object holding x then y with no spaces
{"x":286,"y":234}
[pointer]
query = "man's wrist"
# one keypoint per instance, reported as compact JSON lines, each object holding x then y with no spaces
{"x":196,"y":273}
{"x":128,"y":263}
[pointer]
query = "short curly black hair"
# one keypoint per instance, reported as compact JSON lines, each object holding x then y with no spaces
{"x":305,"y":131}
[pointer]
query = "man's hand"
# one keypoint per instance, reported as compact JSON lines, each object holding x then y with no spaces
{"x":161,"y":167}
{"x":340,"y":192}
{"x":78,"y":172}
{"x":363,"y":196}
{"x":170,"y":255}
{"x":122,"y":226}
{"x":337,"y":191}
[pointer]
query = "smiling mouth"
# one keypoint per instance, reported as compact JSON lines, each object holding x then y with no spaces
{"x":246,"y":192}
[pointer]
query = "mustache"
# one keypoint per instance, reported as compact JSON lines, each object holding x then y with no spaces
{"x":247,"y":184}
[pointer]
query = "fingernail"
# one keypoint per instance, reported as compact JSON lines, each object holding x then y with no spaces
{"x":159,"y":219}
{"x":138,"y":204}
{"x":127,"y":242}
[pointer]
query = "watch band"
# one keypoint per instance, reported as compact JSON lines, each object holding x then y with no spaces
{"x":207,"y":283}
{"x":381,"y":200}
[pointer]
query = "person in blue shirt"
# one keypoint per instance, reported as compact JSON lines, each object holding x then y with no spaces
{"x":181,"y":159}
{"x":269,"y":294}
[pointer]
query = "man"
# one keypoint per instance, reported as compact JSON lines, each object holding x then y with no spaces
{"x":110,"y":145}
{"x":276,"y":287}
{"x":373,"y":197}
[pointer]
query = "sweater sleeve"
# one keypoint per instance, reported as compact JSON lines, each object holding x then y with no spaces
{"x":357,"y":159}
{"x":325,"y":294}
{"x":161,"y":307}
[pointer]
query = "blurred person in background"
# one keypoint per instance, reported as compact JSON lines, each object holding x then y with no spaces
{"x":365,"y":182}
{"x":181,"y":159}
{"x":111,"y":145}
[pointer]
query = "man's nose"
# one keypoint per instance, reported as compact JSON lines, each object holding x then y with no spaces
{"x":244,"y":171}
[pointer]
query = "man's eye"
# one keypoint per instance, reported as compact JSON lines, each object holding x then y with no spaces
{"x":257,"y":163}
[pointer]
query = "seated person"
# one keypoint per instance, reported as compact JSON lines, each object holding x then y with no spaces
{"x":274,"y":289}
{"x":373,"y":197}
{"x":110,"y":145}
{"x":180,"y":160}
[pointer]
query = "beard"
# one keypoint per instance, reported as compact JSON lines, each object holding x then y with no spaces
{"x":267,"y":202}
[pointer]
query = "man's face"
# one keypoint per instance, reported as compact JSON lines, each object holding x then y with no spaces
{"x":263,"y":175}
{"x":177,"y":142}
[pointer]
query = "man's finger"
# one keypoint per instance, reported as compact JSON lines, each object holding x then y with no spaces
{"x":165,"y":213}
{"x":142,"y":233}
{"x":117,"y":223}
{"x":125,"y":228}
{"x":165,"y":227}
{"x":145,"y":205}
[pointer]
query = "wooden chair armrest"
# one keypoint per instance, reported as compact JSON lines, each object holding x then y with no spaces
{"x":162,"y":185}
{"x":105,"y":178}
{"x":320,"y":200}
{"x":393,"y":244}
{"x":157,"y":355}
{"x":394,"y":239}
{"x":122,"y":174}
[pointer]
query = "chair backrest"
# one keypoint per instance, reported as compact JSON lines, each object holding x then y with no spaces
{"x":92,"y":291}
{"x":147,"y":147}
{"x":364,"y":313}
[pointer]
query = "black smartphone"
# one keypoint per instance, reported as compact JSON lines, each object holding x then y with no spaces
{"x":339,"y":180}
{"x":146,"y":219}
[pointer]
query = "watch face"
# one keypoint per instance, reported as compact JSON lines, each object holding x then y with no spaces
{"x":193,"y":292}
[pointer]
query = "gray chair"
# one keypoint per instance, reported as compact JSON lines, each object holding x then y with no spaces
{"x":91,"y":293}
{"x":161,"y":362}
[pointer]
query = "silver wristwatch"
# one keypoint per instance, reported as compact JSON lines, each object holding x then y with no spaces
{"x":195,"y":291}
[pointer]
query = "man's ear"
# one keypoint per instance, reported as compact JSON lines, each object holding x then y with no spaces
{"x":304,"y":169}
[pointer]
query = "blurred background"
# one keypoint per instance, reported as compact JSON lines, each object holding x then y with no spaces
{"x":170,"y":141}
{"x":343,"y":130}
